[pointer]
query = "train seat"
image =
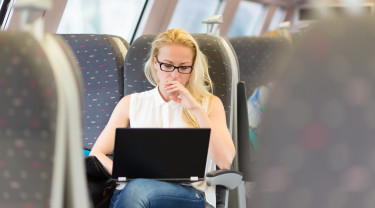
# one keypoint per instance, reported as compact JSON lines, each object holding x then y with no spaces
{"x":257,"y":59}
{"x":259,"y":62}
{"x":101,"y":60}
{"x":220,"y":59}
{"x":32,"y":128}
{"x":318,"y":133}
{"x":69,"y":83}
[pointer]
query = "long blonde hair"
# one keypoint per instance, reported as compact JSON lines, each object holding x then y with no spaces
{"x":199,"y":83}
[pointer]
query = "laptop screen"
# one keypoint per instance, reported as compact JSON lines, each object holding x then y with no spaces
{"x":160,"y":153}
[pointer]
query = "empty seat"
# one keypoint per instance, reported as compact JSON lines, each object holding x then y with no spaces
{"x":101,"y":60}
{"x":258,"y":57}
{"x":260,"y":60}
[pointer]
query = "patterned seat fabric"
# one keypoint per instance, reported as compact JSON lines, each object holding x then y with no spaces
{"x":219,"y":68}
{"x":218,"y":61}
{"x":318,"y":137}
{"x":27,"y":122}
{"x":101,"y":60}
{"x":257,"y":57}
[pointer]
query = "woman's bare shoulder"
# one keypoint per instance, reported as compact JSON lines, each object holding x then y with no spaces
{"x":126,"y":98}
{"x":124,"y":103}
{"x":215,"y":100}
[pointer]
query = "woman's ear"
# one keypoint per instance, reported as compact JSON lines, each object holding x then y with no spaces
{"x":155,"y":61}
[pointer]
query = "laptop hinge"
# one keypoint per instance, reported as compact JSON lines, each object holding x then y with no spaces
{"x":121,"y":179}
{"x":193,"y":178}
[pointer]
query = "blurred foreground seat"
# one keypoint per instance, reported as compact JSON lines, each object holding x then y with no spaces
{"x":317,"y":145}
{"x":40,"y":158}
{"x":31,"y":127}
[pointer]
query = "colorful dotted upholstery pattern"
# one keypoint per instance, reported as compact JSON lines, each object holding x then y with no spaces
{"x":218,"y":61}
{"x":28,"y":103}
{"x":101,"y":62}
{"x":317,"y":145}
{"x":258,"y":57}
{"x":72,"y":62}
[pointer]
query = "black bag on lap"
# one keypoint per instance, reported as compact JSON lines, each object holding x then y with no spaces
{"x":101,"y":187}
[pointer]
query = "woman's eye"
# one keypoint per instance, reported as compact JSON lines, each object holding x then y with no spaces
{"x":168,"y":66}
{"x":184,"y":67}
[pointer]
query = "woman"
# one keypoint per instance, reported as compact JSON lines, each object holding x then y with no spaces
{"x":181,"y":98}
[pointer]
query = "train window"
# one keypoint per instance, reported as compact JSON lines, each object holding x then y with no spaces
{"x":248,"y":19}
{"x":5,"y":11}
{"x":115,"y":17}
{"x":189,"y":14}
{"x":277,"y":18}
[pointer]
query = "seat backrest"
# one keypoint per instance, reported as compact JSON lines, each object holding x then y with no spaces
{"x":317,"y":145}
{"x":257,"y":57}
{"x":28,"y":125}
{"x":222,"y":68}
{"x":69,"y":82}
{"x":101,"y":60}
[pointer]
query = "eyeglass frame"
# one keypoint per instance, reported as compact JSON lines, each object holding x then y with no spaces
{"x":174,"y":67}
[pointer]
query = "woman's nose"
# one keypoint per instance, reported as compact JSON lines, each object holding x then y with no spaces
{"x":175,"y":73}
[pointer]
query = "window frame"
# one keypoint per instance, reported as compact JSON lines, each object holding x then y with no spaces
{"x":6,"y":9}
{"x":255,"y":28}
{"x":276,"y":19}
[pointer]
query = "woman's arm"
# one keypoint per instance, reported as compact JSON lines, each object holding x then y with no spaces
{"x":221,"y":149}
{"x":106,"y":141}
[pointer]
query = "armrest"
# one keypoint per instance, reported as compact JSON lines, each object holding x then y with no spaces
{"x":228,"y":178}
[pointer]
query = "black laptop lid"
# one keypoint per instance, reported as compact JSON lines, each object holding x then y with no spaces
{"x":160,"y":153}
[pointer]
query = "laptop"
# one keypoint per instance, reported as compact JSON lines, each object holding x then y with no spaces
{"x":167,"y":154}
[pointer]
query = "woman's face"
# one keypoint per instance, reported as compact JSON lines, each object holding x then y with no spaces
{"x":176,"y":55}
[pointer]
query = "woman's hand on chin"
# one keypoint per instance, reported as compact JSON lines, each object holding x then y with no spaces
{"x":178,"y":93}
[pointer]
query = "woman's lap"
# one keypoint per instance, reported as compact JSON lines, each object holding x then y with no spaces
{"x":151,"y":193}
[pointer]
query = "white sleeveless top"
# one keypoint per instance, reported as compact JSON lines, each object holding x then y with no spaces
{"x":149,"y":110}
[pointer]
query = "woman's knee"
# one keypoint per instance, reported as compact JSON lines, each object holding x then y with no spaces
{"x":135,"y":194}
{"x":138,"y":191}
{"x":142,"y":186}
{"x":145,"y":193}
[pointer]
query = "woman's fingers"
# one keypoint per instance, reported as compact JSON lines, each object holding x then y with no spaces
{"x":174,"y":88}
{"x":174,"y":98}
{"x":180,"y":94}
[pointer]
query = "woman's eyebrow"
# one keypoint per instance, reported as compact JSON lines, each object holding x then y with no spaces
{"x":170,"y":62}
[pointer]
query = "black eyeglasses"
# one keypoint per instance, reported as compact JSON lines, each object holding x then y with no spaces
{"x":170,"y":68}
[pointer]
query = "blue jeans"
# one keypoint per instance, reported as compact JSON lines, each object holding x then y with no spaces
{"x":151,"y":193}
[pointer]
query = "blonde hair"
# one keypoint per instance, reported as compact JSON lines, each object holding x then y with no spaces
{"x":199,"y":83}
